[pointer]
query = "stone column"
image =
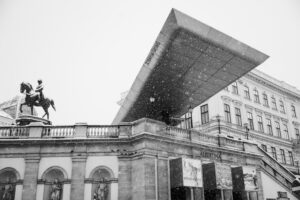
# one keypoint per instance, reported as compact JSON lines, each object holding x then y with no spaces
{"x":259,"y":184}
{"x":78,"y":174}
{"x":30,"y":178}
{"x":124,"y":178}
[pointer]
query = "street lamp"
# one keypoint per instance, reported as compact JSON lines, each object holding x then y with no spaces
{"x":151,"y":99}
{"x":190,"y":110}
{"x":247,"y":130}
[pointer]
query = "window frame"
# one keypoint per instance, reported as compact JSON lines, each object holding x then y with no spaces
{"x":235,"y":89}
{"x":291,"y":158}
{"x":238,"y":116}
{"x":260,"y":123}
{"x":281,"y":106}
{"x":256,"y":96}
{"x":204,"y":114}
{"x":274,"y":153}
{"x":247,"y":92}
{"x":265,"y":100}
{"x":250,"y":120}
{"x":293,"y":108}
{"x":269,"y":126}
{"x":227,"y":113}
{"x":273,"y":102}
{"x":278,"y":129}
{"x":282,"y":154}
{"x":286,"y":131}
{"x":264,"y":147}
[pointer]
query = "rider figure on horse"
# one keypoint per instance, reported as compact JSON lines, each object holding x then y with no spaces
{"x":39,"y":91}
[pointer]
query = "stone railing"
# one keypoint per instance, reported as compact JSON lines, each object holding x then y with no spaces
{"x":58,"y":131}
{"x":177,"y":132}
{"x":98,"y":131}
{"x":14,"y":132}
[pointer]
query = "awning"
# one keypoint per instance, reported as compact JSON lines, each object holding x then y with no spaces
{"x":188,"y":63}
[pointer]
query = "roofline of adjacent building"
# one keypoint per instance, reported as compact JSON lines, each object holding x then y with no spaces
{"x":276,"y":84}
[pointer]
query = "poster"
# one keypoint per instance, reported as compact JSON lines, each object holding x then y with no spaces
{"x":186,"y":172}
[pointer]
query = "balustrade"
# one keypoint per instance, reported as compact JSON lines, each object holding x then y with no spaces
{"x":58,"y":131}
{"x":177,"y":132}
{"x":103,"y":131}
{"x":12,"y":132}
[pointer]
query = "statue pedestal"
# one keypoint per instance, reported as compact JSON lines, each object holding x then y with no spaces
{"x":24,"y":120}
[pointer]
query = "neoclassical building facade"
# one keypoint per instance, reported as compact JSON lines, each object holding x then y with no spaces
{"x":261,"y":108}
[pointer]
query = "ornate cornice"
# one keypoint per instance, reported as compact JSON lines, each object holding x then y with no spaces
{"x":269,"y":84}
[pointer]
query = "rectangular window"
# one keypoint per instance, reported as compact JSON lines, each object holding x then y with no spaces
{"x":238,"y":116}
{"x":264,"y":147}
{"x":269,"y":126}
{"x":227,"y":113}
{"x":235,"y":89}
{"x":278,"y":131}
{"x":291,"y":158}
{"x":273,"y":100}
{"x":282,"y":156}
{"x":247,"y":93}
{"x":274,"y":155}
{"x":250,"y":120}
{"x":260,"y":123}
{"x":297,"y":133}
{"x":265,"y":99}
{"x":293,"y":111}
{"x":256,"y":96}
{"x":281,"y":105}
{"x":204,"y":114}
{"x":285,"y":132}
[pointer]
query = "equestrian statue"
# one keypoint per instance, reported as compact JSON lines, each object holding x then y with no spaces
{"x":36,"y":97}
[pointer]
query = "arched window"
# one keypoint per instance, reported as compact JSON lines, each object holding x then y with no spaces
{"x":101,"y":178}
{"x":8,"y":181}
{"x":53,"y":178}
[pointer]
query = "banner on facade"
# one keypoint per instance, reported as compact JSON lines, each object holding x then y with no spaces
{"x":217,"y":176}
{"x":186,"y":172}
{"x":244,"y":178}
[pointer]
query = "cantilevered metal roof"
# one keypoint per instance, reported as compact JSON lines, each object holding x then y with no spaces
{"x":188,"y":63}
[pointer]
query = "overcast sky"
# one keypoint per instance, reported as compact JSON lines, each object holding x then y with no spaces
{"x":89,"y":52}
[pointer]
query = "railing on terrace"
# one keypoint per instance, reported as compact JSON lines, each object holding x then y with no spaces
{"x":58,"y":131}
{"x":99,"y":131}
{"x":177,"y":132}
{"x":14,"y":132}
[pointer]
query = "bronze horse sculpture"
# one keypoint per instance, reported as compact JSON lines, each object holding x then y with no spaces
{"x":32,"y":100}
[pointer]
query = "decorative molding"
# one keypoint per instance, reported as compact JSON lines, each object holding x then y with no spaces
{"x":226,"y":99}
{"x":284,"y":120}
{"x":237,"y":103}
{"x":249,"y":107}
{"x":283,"y":91}
{"x":276,"y":117}
{"x":258,"y":111}
{"x":295,"y":123}
{"x":267,"y":114}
